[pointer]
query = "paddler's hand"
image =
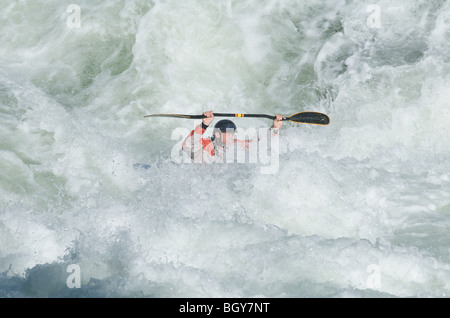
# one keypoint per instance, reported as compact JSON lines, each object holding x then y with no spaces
{"x":209,"y":117}
{"x":277,"y":122}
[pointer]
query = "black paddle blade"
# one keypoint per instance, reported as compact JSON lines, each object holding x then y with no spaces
{"x":309,"y":118}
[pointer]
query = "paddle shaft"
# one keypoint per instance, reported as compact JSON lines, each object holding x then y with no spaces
{"x":235,"y":115}
{"x":302,"y":117}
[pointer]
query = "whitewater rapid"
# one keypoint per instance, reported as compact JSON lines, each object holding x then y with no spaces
{"x":93,"y":204}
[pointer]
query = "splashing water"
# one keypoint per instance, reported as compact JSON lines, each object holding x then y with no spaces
{"x":357,"y":208}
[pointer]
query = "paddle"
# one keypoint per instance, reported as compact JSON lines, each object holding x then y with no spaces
{"x":314,"y":118}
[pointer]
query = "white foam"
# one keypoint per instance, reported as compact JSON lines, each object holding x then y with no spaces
{"x":356,"y":208}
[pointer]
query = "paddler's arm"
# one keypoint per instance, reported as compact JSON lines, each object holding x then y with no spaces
{"x":277,"y":123}
{"x":209,"y":118}
{"x":273,"y":131}
{"x":192,"y":144}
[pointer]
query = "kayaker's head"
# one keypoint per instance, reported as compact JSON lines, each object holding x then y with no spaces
{"x":224,"y":132}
